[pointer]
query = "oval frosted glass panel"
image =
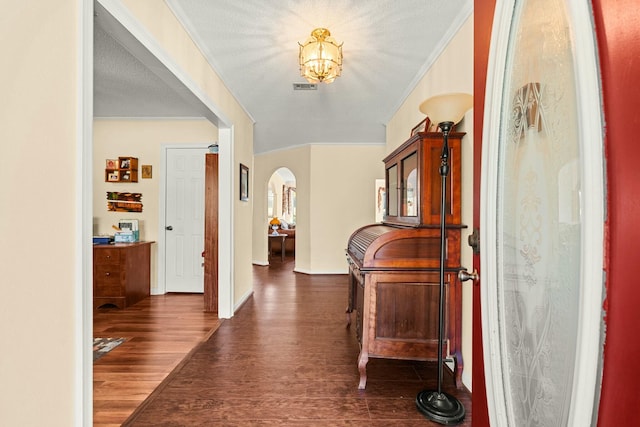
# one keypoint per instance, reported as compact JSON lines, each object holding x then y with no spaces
{"x":538,"y":218}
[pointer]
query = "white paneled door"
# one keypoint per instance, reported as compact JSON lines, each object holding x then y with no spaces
{"x":184,"y":222}
{"x":542,"y":208}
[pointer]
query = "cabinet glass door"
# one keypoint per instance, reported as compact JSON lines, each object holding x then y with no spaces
{"x":392,"y":191}
{"x":410,"y":185}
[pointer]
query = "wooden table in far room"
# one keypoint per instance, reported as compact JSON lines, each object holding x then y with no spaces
{"x":277,"y":236}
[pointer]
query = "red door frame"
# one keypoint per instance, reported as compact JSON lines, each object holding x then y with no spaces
{"x":618,"y":36}
{"x":617,"y":25}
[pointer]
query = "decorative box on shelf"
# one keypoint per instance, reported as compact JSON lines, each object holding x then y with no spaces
{"x":102,"y":240}
{"x":129,"y":231}
{"x":127,"y":236}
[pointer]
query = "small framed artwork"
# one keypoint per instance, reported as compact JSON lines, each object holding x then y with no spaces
{"x":147,"y":171}
{"x":125,"y":163}
{"x":423,"y":126}
{"x":112,"y":164}
{"x":244,"y":182}
{"x":113,"y":176}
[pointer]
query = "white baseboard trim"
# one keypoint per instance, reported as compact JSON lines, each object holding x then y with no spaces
{"x":261,"y":263}
{"x":242,"y":300}
{"x":299,"y":270}
{"x":466,"y":380}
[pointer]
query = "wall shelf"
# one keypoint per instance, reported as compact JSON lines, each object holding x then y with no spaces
{"x":124,"y":169}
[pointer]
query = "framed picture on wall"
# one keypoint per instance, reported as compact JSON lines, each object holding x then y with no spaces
{"x":244,"y":182}
{"x":147,"y":171}
{"x":423,"y":126}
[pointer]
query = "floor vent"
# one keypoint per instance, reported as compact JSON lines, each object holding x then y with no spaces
{"x":305,"y":86}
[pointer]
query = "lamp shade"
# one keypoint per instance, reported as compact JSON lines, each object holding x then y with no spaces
{"x":450,"y":107}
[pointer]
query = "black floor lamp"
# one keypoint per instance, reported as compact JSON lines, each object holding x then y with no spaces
{"x":446,"y":111}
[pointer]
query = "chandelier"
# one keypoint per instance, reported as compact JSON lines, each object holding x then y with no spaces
{"x":320,"y":57}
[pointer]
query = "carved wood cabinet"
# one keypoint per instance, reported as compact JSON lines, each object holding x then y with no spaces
{"x":394,"y":266}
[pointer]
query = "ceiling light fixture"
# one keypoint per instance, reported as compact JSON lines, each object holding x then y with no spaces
{"x":320,"y":57}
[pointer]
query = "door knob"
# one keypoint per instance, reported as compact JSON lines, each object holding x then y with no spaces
{"x":464,"y":275}
{"x":169,"y":227}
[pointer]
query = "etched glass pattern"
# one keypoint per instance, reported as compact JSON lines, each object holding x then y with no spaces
{"x":538,"y":217}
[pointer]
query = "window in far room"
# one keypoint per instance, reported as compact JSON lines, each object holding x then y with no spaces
{"x":270,"y":197}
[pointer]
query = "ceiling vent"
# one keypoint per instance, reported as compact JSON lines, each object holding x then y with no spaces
{"x":305,"y":86}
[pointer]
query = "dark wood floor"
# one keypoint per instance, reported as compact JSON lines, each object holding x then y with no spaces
{"x":285,"y":359}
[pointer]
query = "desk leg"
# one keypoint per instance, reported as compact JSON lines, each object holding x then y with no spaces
{"x":282,"y":250}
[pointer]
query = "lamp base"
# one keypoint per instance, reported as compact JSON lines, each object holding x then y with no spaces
{"x":441,"y":408}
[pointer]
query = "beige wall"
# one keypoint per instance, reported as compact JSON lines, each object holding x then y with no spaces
{"x":157,"y":19}
{"x":452,"y":72}
{"x":44,"y":225}
{"x":335,"y":195}
{"x":142,"y":139}
{"x":343,"y":199}
{"x":39,"y":214}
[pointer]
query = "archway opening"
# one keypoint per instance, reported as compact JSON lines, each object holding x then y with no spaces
{"x":281,"y":214}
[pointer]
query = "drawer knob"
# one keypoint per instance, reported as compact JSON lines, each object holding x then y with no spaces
{"x":107,"y":274}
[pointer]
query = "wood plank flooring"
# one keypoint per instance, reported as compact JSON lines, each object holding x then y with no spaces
{"x":287,"y":359}
{"x":160,"y":331}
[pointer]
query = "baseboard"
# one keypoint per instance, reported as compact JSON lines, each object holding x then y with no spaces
{"x":244,"y":299}
{"x":310,"y":272}
{"x":260,"y":263}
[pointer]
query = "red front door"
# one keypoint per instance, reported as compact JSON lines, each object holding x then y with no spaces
{"x":483,"y":20}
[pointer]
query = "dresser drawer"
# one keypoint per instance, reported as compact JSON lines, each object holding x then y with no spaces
{"x":109,"y":290}
{"x":110,"y":256}
{"x":108,"y":274}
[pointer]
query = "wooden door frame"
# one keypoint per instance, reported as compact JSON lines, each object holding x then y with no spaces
{"x":210,"y":254}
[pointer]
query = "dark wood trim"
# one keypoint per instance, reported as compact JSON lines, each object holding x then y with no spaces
{"x":211,"y":234}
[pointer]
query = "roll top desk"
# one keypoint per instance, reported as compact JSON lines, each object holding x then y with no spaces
{"x":394,"y":266}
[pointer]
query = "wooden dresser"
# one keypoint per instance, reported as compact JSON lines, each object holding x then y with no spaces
{"x":121,"y":273}
{"x":394,"y":266}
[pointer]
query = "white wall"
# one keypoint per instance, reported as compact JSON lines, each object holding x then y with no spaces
{"x":451,"y":72}
{"x":142,"y":139}
{"x":335,"y":190}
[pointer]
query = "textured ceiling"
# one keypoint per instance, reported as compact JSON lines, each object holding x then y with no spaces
{"x":252,"y":44}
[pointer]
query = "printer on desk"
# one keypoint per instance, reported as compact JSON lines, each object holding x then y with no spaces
{"x":129,"y":232}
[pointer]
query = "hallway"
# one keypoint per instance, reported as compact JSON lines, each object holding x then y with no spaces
{"x":286,"y":358}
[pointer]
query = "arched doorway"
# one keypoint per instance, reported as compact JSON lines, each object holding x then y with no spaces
{"x":281,"y":213}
